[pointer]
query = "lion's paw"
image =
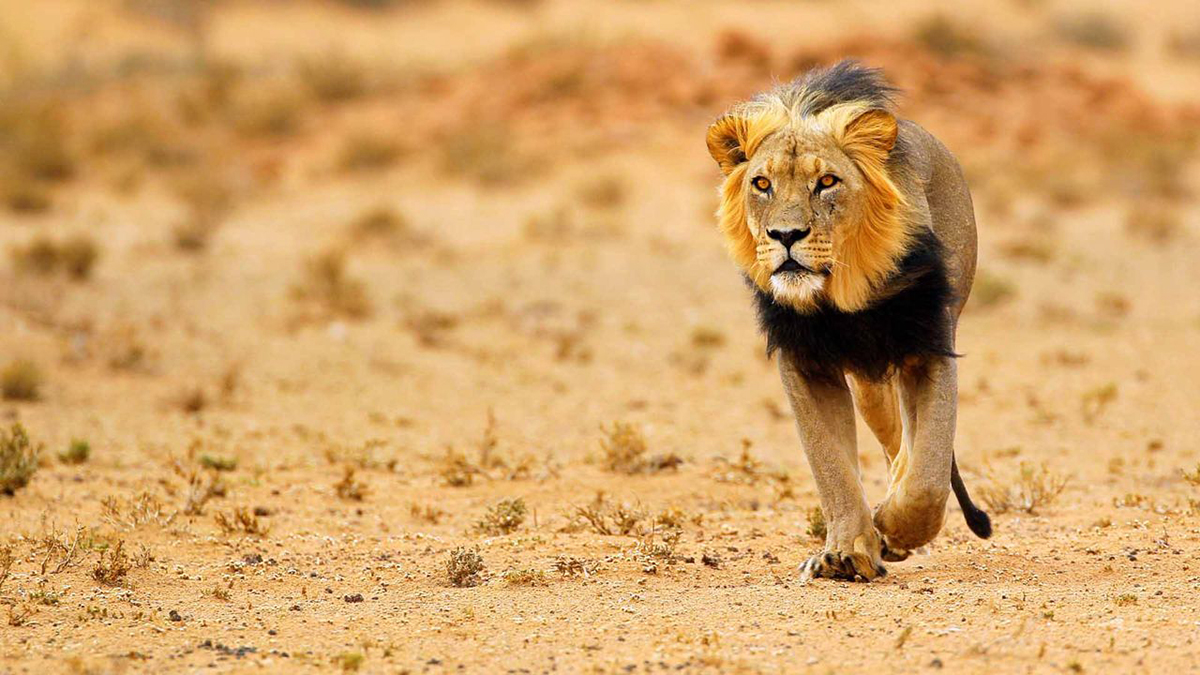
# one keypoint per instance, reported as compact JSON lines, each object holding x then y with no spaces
{"x":843,"y":566}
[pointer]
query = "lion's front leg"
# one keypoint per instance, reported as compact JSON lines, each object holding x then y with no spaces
{"x":912,"y":513}
{"x":825,"y":420}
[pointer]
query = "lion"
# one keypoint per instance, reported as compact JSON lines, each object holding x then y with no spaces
{"x":856,"y":233}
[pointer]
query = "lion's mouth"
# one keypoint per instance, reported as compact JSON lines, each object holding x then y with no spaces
{"x":791,"y":265}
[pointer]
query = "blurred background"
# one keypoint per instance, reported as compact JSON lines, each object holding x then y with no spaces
{"x":410,"y":237}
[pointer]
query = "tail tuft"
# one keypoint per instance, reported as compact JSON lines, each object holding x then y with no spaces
{"x":977,"y":519}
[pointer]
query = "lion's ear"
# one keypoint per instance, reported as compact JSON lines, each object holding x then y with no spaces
{"x":727,"y":142}
{"x":873,"y":131}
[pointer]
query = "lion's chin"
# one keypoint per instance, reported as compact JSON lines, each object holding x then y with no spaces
{"x":798,"y":290}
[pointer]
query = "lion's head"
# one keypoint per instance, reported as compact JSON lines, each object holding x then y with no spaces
{"x":809,"y":206}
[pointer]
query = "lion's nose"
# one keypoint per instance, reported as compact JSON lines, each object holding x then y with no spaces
{"x":788,"y":237}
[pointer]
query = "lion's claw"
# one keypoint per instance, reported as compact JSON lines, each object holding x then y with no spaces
{"x":846,"y":567}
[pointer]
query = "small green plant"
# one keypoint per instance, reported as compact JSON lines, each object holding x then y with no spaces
{"x":112,"y":565}
{"x":465,"y":567}
{"x":78,"y":451}
{"x":21,"y":380}
{"x":503,"y":518}
{"x":18,"y":459}
{"x":218,"y":462}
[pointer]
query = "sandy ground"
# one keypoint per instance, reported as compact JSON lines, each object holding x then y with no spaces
{"x":511,"y":321}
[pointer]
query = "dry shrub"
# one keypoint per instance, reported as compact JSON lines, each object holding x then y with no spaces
{"x":1033,"y":488}
{"x":350,"y":488}
{"x":207,"y":199}
{"x":112,"y":565}
{"x":18,"y":459}
{"x":21,"y":380}
{"x":1097,"y":399}
{"x":1157,"y":222}
{"x":427,"y":513}
{"x":368,"y":151}
{"x":326,"y":284}
{"x":948,"y":38}
{"x":484,"y":154}
{"x":379,"y":222}
{"x":77,"y":452}
{"x":59,"y":551}
{"x":7,"y":560}
{"x":271,"y":111}
{"x":141,"y":509}
{"x":991,"y":291}
{"x":816,"y":523}
{"x":75,"y":256}
{"x":603,"y":192}
{"x":465,"y":568}
{"x":333,"y":78}
{"x":1192,"y":476}
{"x":525,"y":577}
{"x":624,"y":449}
{"x":1093,"y":30}
{"x":503,"y":518}
{"x":241,"y":521}
{"x":607,"y":518}
{"x":576,"y":567}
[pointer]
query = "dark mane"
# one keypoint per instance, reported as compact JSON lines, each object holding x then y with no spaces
{"x":910,"y":318}
{"x":846,"y":81}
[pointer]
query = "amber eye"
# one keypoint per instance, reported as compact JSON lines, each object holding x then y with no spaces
{"x":826,"y":181}
{"x":762,"y":184}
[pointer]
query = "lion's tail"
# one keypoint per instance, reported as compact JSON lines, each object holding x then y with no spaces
{"x":977,"y":518}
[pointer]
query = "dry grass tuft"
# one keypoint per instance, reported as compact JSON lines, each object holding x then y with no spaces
{"x":333,"y":78}
{"x":142,"y":509}
{"x":427,"y":513}
{"x":604,"y":192}
{"x":326,"y":284}
{"x":1033,"y":488}
{"x":242,"y":521}
{"x":525,"y":577}
{"x":350,"y":488}
{"x":948,"y":38}
{"x":1192,"y":476}
{"x":991,"y":291}
{"x":1093,"y":30}
{"x":75,"y":256}
{"x":606,"y":518}
{"x":625,"y":448}
{"x":112,"y":565}
{"x":1157,"y":222}
{"x":18,"y":459}
{"x":207,"y":199}
{"x":816,"y":523}
{"x":576,"y":567}
{"x":465,"y":568}
{"x":21,"y":380}
{"x":368,"y":151}
{"x":503,"y":518}
{"x":78,"y":451}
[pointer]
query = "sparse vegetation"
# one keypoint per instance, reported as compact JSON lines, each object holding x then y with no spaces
{"x":112,"y":565}
{"x":21,"y":380}
{"x":368,"y":151}
{"x":242,"y":521}
{"x":217,"y":462}
{"x":816,"y":523}
{"x":606,"y":518}
{"x":327,"y":285}
{"x":503,"y":517}
{"x":78,"y":451}
{"x":525,"y":577}
{"x":349,"y":662}
{"x":349,"y":487}
{"x":1093,"y":30}
{"x":1034,"y":488}
{"x":74,"y":256}
{"x":948,"y":38}
{"x":18,"y":459}
{"x":625,"y":448}
{"x":465,"y":568}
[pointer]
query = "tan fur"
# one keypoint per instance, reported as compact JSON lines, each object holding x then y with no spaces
{"x":913,"y":412}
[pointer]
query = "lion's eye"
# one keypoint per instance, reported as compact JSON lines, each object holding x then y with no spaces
{"x":827,"y":181}
{"x":762,"y":184}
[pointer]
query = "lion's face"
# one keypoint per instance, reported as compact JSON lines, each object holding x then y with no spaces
{"x":803,"y":195}
{"x":808,"y":208}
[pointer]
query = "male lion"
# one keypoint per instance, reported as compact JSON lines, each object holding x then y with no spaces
{"x":857,"y":233}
